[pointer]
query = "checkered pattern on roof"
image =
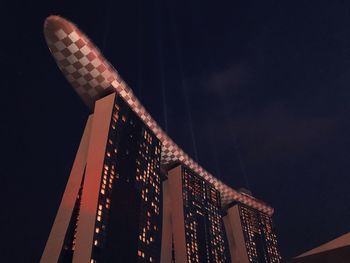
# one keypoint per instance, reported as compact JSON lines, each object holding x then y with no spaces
{"x":92,"y":77}
{"x":80,"y":61}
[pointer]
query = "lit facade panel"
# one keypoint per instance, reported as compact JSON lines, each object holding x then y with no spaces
{"x":197,"y":226}
{"x":128,"y":220}
{"x":115,"y":214}
{"x":251,"y":235}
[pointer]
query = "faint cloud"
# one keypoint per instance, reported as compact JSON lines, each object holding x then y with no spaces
{"x":274,"y":133}
{"x":228,"y":80}
{"x":281,"y":133}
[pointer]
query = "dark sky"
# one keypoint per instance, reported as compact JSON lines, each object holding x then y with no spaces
{"x":262,"y":86}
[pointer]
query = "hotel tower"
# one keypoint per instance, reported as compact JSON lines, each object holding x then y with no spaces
{"x":133,"y":195}
{"x":250,"y":235}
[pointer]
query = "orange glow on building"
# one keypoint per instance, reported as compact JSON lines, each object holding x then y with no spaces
{"x":125,"y":201}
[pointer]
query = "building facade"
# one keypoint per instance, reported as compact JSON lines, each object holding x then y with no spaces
{"x":92,"y":77}
{"x":250,"y":235}
{"x":115,"y":207}
{"x":196,"y":232}
{"x":116,"y":215}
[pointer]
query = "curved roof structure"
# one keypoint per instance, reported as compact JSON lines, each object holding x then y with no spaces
{"x":92,"y":77}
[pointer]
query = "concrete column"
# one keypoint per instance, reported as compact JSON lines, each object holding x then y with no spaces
{"x":92,"y":181}
{"x":58,"y":231}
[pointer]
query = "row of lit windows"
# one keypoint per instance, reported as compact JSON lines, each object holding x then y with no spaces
{"x":256,"y":223}
{"x":142,"y":254}
{"x":202,"y":199}
{"x":148,"y":183}
{"x":108,"y":176}
{"x":76,"y":210}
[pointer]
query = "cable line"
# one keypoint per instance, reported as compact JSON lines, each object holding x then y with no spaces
{"x":160,"y":50}
{"x":179,"y":57}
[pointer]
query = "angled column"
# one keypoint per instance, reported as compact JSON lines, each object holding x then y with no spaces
{"x":167,"y":240}
{"x":235,"y":237}
{"x":174,"y":190}
{"x":55,"y":244}
{"x":92,"y":181}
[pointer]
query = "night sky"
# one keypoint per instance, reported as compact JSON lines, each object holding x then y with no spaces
{"x":257,"y":92}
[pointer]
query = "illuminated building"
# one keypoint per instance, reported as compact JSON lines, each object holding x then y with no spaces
{"x":117,"y":210}
{"x":250,"y":235}
{"x":195,"y":230}
{"x":111,"y":204}
{"x":336,"y":250}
